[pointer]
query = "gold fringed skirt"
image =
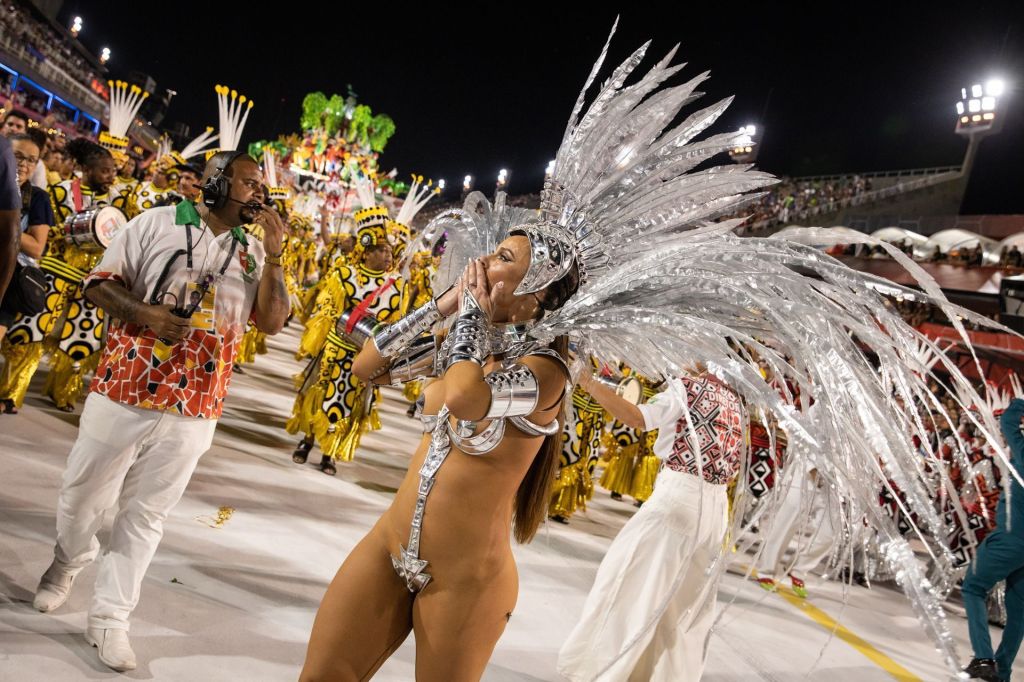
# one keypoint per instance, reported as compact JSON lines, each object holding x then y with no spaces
{"x":65,"y":383}
{"x":339,"y":440}
{"x":314,"y":337}
{"x":644,"y":476}
{"x":619,"y":472}
{"x":22,"y":362}
{"x":247,"y":347}
{"x":572,"y":488}
{"x":307,"y":406}
{"x":412,"y":391}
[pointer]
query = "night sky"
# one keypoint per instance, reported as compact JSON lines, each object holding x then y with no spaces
{"x":858,"y":87}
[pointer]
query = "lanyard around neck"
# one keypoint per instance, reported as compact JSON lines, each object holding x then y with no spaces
{"x":188,"y":250}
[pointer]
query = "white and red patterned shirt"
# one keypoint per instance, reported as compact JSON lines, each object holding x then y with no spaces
{"x":716,"y":418}
{"x":191,"y":377}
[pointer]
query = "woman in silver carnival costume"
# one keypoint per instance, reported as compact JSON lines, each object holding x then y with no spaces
{"x":624,"y":258}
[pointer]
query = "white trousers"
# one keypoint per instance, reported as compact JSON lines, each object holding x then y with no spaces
{"x":650,"y":612}
{"x":142,"y":460}
{"x":803,"y":515}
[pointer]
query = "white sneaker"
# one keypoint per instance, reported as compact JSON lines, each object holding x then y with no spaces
{"x":54,"y":587}
{"x":114,"y":649}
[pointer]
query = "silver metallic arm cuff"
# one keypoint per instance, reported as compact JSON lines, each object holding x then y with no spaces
{"x":416,"y":361}
{"x":514,"y":392}
{"x":394,"y":339}
{"x":469,"y":333}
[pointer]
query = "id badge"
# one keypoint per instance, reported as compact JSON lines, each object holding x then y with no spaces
{"x":204,"y":317}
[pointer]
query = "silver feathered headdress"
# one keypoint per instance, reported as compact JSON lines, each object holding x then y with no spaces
{"x":618,"y":176}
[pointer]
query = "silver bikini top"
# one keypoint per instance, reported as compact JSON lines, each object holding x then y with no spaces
{"x":482,"y":443}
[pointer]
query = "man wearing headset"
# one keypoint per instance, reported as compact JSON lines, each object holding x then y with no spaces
{"x":181,"y":284}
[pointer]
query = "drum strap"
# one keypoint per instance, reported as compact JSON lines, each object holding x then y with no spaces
{"x":76,"y":194}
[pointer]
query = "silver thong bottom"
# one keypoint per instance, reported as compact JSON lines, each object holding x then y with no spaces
{"x":408,"y":565}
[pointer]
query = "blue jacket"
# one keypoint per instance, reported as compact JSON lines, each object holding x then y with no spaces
{"x":1009,"y":422}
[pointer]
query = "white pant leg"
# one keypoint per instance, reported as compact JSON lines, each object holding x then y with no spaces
{"x":153,"y":485}
{"x":821,"y":526}
{"x":675,"y":536}
{"x":107,"y":444}
{"x":677,"y":652}
{"x":780,"y":529}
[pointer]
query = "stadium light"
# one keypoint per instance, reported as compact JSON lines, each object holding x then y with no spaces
{"x":105,"y":55}
{"x":980,"y":113}
{"x":995,"y":87}
{"x":980,"y":109}
{"x":76,"y":27}
{"x":745,"y":148}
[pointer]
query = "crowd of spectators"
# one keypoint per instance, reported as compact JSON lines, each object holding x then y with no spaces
{"x":43,"y":43}
{"x":916,"y":313}
{"x":795,"y":199}
{"x":33,"y":105}
{"x":34,"y":39}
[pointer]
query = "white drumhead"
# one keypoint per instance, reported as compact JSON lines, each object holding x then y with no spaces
{"x":631,"y":389}
{"x":107,"y":223}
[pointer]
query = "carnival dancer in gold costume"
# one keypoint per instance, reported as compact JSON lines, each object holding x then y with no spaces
{"x":333,"y":407}
{"x":422,"y":265}
{"x":126,"y":183}
{"x":400,"y":230}
{"x":300,"y":262}
{"x":631,"y":465}
{"x":581,"y":444}
{"x":153,"y":192}
{"x":414,"y":255}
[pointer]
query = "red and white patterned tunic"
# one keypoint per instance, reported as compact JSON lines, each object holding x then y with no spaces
{"x":191,"y":377}
{"x":716,"y":417}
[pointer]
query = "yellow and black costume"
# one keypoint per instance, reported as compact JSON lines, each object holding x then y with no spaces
{"x":333,"y":407}
{"x":71,"y":327}
{"x":581,"y":444}
{"x":631,"y":464}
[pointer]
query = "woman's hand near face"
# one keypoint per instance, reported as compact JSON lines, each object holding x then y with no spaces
{"x":474,"y":279}
{"x":480,"y":287}
{"x":448,"y":302}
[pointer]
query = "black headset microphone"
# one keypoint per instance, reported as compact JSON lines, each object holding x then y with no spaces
{"x":217,"y":188}
{"x":253,"y":204}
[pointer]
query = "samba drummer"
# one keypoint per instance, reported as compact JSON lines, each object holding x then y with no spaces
{"x":155,"y":192}
{"x":333,"y":407}
{"x":72,"y":323}
{"x":187,"y":186}
{"x":88,"y":210}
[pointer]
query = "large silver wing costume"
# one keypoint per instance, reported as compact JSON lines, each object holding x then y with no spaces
{"x":632,"y":203}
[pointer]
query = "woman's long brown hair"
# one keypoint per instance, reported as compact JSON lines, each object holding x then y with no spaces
{"x":534,"y":495}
